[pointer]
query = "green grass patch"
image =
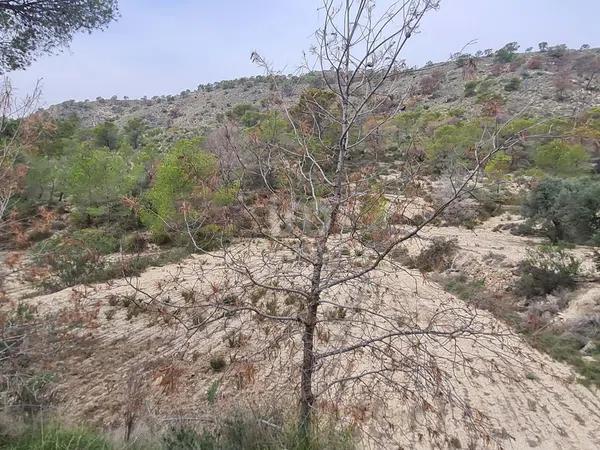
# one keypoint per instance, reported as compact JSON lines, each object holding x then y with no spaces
{"x":235,"y":431}
{"x":464,"y":288}
{"x":263,"y":432}
{"x":55,"y":438}
{"x":566,"y":348}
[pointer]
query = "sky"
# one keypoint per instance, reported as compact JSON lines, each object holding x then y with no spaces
{"x":160,"y":47}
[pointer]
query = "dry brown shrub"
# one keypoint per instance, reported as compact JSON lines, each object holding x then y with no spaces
{"x":535,"y":63}
{"x":167,"y":377}
{"x":497,"y":69}
{"x":431,"y":83}
{"x":563,"y":83}
{"x":245,"y":374}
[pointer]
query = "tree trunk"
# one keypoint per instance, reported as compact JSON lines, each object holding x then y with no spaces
{"x":558,"y":232}
{"x":307,"y":398}
{"x":589,"y":83}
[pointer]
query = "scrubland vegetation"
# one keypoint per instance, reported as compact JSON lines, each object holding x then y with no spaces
{"x":291,"y":215}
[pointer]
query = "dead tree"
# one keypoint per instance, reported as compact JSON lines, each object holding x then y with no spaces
{"x":12,"y":111}
{"x":323,"y":271}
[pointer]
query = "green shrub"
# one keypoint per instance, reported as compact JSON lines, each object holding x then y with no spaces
{"x":244,"y":113}
{"x":566,"y":347}
{"x":180,"y":438}
{"x":187,"y":188}
{"x":474,"y":291}
{"x":452,"y":144}
{"x":596,"y":258}
{"x":76,"y":258}
{"x":217,"y":363}
{"x":464,"y":288}
{"x":69,"y":260}
{"x":239,"y":430}
{"x":567,"y":210}
{"x":98,"y":240}
{"x":106,"y":135}
{"x":437,"y":256}
{"x":498,"y":166}
{"x":514,"y":84}
{"x":563,"y":159}
{"x":72,"y":262}
{"x":508,"y":53}
{"x":211,"y":237}
{"x":95,"y":180}
{"x":184,"y":169}
{"x":546,"y":269}
{"x":558,"y":51}
{"x":213,"y":390}
{"x":471,"y":88}
{"x":32,"y":392}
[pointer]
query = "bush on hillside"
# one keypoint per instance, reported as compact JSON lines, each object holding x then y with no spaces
{"x":106,"y":135}
{"x":438,"y":256}
{"x":535,"y":63}
{"x":558,"y":51}
{"x":95,"y":181}
{"x":514,"y":84}
{"x":563,"y":159}
{"x":508,"y":53}
{"x":188,"y":192}
{"x":596,"y":258}
{"x":246,"y":114}
{"x":546,"y":269}
{"x":452,"y":144}
{"x":236,"y":431}
{"x":566,"y":210}
{"x":71,"y":261}
{"x":431,"y":83}
{"x":562,"y":83}
{"x":134,"y":243}
{"x":470,"y":208}
{"x":471,"y":88}
{"x":567,"y":348}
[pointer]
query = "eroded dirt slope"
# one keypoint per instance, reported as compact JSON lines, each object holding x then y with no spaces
{"x":109,"y":358}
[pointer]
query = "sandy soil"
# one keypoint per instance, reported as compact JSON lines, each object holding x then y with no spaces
{"x":108,"y":362}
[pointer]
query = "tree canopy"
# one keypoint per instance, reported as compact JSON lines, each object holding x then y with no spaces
{"x":29,"y":28}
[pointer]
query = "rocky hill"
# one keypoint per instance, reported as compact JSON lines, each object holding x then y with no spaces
{"x":555,"y":82}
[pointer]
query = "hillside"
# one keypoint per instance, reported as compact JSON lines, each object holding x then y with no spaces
{"x":112,"y":352}
{"x":419,"y":271}
{"x":535,"y":93}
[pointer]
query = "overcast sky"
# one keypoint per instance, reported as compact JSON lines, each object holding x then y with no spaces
{"x":165,"y":46}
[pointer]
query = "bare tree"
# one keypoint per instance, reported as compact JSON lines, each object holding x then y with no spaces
{"x":563,"y":83}
{"x":325,"y":271}
{"x":12,"y":111}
